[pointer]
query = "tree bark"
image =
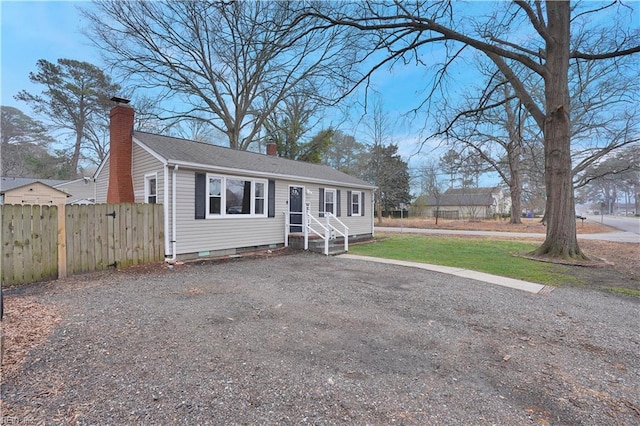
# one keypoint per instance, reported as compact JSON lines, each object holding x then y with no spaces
{"x":561,"y":240}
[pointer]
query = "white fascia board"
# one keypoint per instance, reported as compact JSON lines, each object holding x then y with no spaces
{"x":101,"y":166}
{"x":230,"y":170}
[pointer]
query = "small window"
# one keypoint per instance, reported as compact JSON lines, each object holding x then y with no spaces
{"x":330,"y":201}
{"x":151,"y":189}
{"x":355,"y":203}
{"x":259,"y":198}
{"x":215,"y":195}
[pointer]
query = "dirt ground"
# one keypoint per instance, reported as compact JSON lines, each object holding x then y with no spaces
{"x":308,"y":339}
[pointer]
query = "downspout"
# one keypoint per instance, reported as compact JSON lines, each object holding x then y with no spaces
{"x":165,"y":205}
{"x":174,"y":222}
{"x":174,"y":226}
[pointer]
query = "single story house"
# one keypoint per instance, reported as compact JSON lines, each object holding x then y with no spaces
{"x":467,"y":203}
{"x":220,"y":201}
{"x":20,"y":190}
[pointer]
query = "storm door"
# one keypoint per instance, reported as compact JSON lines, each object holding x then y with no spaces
{"x":296,"y":202}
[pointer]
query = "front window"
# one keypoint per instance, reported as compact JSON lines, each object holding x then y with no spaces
{"x":329,"y":201}
{"x":236,"y":196}
{"x":215,"y":195}
{"x":151,"y":189}
{"x":259,"y":198}
{"x":355,"y":204}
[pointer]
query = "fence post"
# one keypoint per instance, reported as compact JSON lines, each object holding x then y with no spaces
{"x":62,"y":242}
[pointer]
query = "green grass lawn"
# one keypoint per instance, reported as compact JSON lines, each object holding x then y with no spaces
{"x":495,"y":257}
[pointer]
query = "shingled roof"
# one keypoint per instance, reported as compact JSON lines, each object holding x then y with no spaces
{"x":9,"y":183}
{"x":207,"y":156}
{"x":464,"y":197}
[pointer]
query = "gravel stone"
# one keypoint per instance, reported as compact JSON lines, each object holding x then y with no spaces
{"x":308,"y":339}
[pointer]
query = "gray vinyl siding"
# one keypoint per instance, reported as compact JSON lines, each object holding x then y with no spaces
{"x":202,"y":235}
{"x":358,"y":225}
{"x":79,"y":189}
{"x":209,"y":235}
{"x":144,"y":163}
{"x":102,"y":182}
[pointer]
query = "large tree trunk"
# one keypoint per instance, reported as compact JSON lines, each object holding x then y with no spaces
{"x":515,"y":189}
{"x":561,"y":240}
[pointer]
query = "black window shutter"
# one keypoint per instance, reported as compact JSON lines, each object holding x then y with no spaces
{"x":349,"y":206}
{"x":362,"y":205}
{"x":321,"y":203}
{"x":201,"y":195}
{"x":271,"y":208}
{"x":338,"y":202}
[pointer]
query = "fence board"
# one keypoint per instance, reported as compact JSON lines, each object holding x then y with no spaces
{"x":50,"y":242}
{"x":8,"y":237}
{"x":32,"y":249}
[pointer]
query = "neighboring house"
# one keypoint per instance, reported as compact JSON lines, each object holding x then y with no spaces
{"x":18,"y":190}
{"x":31,"y":191}
{"x":467,"y":203}
{"x":220,"y":201}
{"x":81,"y":191}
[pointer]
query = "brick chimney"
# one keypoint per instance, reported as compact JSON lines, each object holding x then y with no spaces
{"x":121,"y":144}
{"x":272,"y":148}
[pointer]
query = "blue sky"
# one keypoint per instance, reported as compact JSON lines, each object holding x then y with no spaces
{"x":33,"y":30}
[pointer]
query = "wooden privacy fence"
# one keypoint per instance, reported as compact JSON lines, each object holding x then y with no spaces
{"x":29,"y":243}
{"x":90,"y":238}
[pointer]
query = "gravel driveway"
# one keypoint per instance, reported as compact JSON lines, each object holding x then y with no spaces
{"x":303,"y":338}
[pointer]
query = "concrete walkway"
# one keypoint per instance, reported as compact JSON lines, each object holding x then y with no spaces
{"x":616,"y":236}
{"x":619,"y":236}
{"x":459,"y":272}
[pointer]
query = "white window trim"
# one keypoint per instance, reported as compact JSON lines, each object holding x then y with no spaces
{"x":147,"y":179}
{"x":223,"y":197}
{"x":359,"y":203}
{"x":335,"y":201}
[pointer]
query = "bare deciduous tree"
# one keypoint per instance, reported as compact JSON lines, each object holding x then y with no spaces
{"x":533,"y":35}
{"x":229,"y":64}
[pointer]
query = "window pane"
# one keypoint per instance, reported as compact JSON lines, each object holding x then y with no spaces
{"x":328,"y":197}
{"x":238,"y":196}
{"x":259,"y":206}
{"x":214,"y":205}
{"x":152,"y":186}
{"x":259,"y":190}
{"x":259,"y":198}
{"x":356,"y":204}
{"x":214,"y":187}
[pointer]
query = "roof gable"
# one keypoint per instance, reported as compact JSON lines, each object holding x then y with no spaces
{"x":200,"y":155}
